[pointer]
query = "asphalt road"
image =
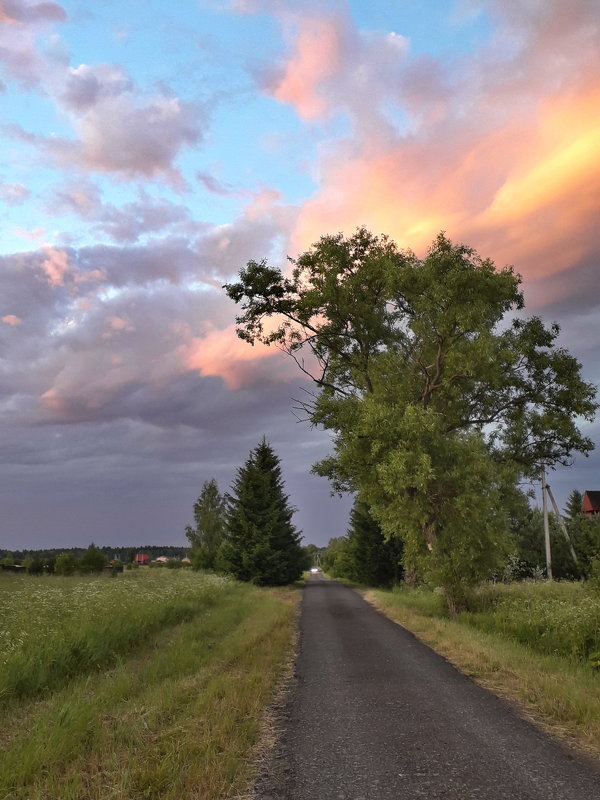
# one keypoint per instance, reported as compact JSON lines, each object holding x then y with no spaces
{"x":373,"y":714}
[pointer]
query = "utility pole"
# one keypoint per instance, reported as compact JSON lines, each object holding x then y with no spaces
{"x":546,"y":526}
{"x":563,"y":527}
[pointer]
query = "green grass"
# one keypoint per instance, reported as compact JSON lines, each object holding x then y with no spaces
{"x":173,"y":714}
{"x":554,"y":618}
{"x":527,"y":642}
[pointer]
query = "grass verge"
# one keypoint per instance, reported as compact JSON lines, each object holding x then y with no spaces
{"x":176,"y":719}
{"x":557,"y":693}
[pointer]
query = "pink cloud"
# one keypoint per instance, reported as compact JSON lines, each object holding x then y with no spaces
{"x":332,"y":66}
{"x":11,"y":319}
{"x":317,"y":55}
{"x":19,"y":50}
{"x":224,"y":354}
{"x":36,"y":235}
{"x":506,"y":161}
{"x":120,"y":324}
{"x":56,"y":266}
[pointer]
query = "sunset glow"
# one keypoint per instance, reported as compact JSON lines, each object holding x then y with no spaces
{"x":151,"y":150}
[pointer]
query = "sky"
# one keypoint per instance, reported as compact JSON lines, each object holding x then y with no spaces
{"x":150,"y":149}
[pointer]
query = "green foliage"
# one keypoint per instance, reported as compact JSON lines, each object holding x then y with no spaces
{"x":436,"y":404}
{"x":93,"y":560}
{"x":364,"y":555}
{"x":210,"y":519}
{"x":261,"y":544}
{"x":337,"y":559}
{"x":574,"y":507}
{"x":65,"y":564}
{"x":38,"y":565}
{"x":585,"y":537}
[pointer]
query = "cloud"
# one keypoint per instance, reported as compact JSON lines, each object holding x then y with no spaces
{"x":316,"y":57}
{"x":119,"y":129}
{"x":331,"y":66}
{"x":14,"y":194}
{"x":110,"y":329}
{"x":222,"y":353}
{"x":214,"y":186}
{"x":56,"y":266}
{"x":11,"y":319}
{"x":21,"y":25}
{"x":86,"y":85}
{"x":505,"y":160}
{"x":19,"y":11}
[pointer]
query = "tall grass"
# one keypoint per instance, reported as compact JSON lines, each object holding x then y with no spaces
{"x":174,"y":716}
{"x":55,"y":628}
{"x":555,"y":618}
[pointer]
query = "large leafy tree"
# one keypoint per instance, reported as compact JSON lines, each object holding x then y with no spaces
{"x":209,"y":526}
{"x":439,"y":394}
{"x":261,"y":544}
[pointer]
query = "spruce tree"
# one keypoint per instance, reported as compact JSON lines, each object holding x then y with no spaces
{"x":261,"y":543}
{"x":574,"y":506}
{"x":377,"y":562}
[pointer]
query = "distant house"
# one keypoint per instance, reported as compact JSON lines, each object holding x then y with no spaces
{"x":186,"y":560}
{"x":141,"y":558}
{"x":591,"y":503}
{"x":161,"y":560}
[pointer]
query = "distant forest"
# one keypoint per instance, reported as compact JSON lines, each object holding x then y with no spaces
{"x":123,"y":554}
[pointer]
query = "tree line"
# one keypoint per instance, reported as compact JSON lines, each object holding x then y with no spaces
{"x":69,"y":560}
{"x":440,"y":395}
{"x":366,"y":556}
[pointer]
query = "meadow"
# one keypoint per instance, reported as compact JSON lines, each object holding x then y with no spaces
{"x":149,"y":684}
{"x":535,"y":643}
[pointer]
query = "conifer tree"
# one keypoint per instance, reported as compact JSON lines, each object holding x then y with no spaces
{"x":376,"y":561}
{"x":261,"y":543}
{"x":209,"y":516}
{"x":574,"y":506}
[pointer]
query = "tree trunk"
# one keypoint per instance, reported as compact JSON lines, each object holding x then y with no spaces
{"x":455,"y":599}
{"x":410,"y":576}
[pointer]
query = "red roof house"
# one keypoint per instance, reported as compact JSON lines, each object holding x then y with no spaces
{"x":591,"y":503}
{"x":142,"y":558}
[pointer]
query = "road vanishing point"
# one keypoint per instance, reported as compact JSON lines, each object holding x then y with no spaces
{"x":374,"y":714}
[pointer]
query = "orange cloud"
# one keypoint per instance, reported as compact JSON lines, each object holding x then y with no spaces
{"x":5,"y":16}
{"x":525,"y":192}
{"x":11,"y":319}
{"x":316,"y":57}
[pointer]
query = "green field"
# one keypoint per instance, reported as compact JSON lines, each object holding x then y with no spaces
{"x":150,"y":684}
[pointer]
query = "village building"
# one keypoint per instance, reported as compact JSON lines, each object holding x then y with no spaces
{"x":591,"y":503}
